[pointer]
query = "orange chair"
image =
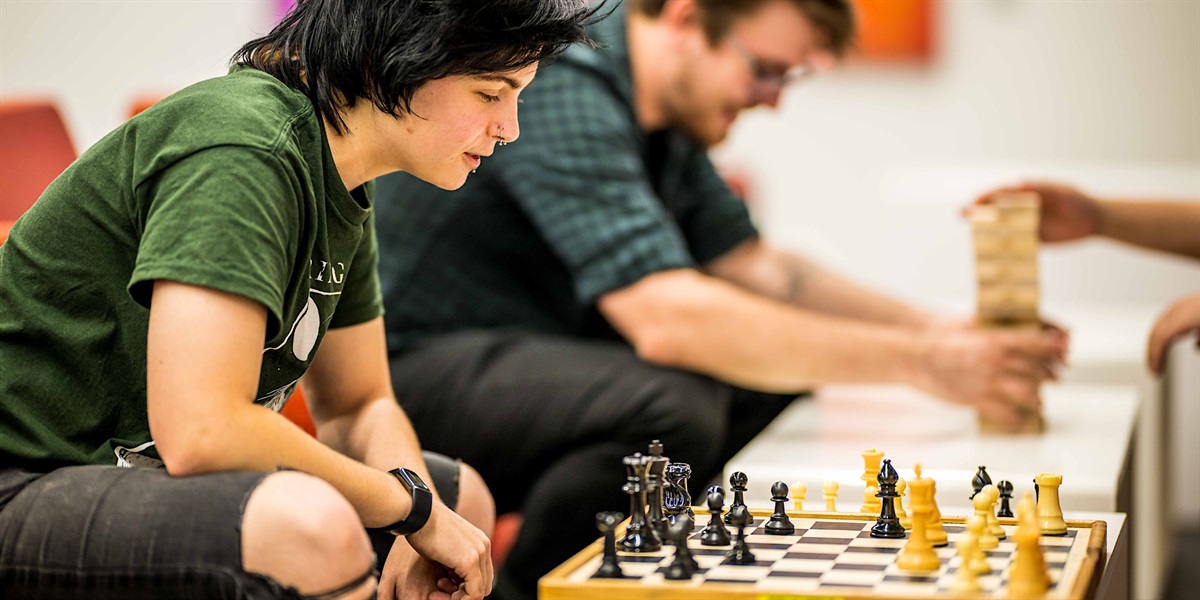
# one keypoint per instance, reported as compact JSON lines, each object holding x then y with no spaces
{"x":143,"y":102}
{"x":34,"y":149}
{"x":296,"y":410}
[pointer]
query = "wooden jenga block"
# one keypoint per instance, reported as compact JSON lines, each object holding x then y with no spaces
{"x":1030,"y":423}
{"x":991,"y":243}
{"x":1017,"y":296}
{"x":1003,"y":269}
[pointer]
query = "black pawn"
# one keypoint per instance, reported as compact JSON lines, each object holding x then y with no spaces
{"x":606,"y":522}
{"x":737,"y":485}
{"x":740,"y":554}
{"x":684,"y":565}
{"x":888,"y":524}
{"x":980,"y":480}
{"x":779,"y":523}
{"x":1006,"y":494}
{"x":715,"y":533}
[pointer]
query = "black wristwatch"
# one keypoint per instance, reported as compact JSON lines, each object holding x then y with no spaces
{"x":422,"y":502}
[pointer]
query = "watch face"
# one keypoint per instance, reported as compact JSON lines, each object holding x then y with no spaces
{"x":411,"y":479}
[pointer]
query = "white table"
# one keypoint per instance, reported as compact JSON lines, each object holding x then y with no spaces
{"x":1108,"y":346}
{"x":1088,"y":440}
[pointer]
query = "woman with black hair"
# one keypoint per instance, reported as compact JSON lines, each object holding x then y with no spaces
{"x":189,"y":268}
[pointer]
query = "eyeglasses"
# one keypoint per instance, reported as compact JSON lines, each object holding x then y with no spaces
{"x":766,"y":74}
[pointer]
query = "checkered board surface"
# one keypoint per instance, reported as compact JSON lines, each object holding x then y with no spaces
{"x":830,"y":555}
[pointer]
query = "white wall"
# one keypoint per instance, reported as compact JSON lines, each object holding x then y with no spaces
{"x":863,"y":168}
{"x":867,"y":159}
{"x":96,"y":56}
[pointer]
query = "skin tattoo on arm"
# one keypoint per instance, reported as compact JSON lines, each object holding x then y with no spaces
{"x":796,"y":276}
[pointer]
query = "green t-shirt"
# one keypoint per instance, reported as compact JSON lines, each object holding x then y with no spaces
{"x":228,"y":184}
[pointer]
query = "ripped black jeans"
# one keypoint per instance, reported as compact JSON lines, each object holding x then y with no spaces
{"x":111,"y":532}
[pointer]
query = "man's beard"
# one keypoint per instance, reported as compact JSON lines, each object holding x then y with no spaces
{"x":689,"y":116}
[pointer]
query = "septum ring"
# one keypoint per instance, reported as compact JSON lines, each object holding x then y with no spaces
{"x":500,"y":136}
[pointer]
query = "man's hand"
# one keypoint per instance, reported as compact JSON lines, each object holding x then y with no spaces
{"x":997,"y":371}
{"x":1066,"y":213}
{"x":450,"y":541}
{"x":1180,"y":319}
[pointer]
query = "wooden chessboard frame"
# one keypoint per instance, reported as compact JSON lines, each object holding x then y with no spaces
{"x":556,"y":585}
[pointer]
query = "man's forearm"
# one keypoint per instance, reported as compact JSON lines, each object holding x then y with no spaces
{"x":687,"y":320}
{"x":826,"y":292}
{"x":793,"y":279}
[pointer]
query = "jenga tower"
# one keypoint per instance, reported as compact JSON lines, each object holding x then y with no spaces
{"x":1006,"y":269}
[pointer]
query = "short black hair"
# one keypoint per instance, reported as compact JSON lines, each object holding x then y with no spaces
{"x":835,"y":18}
{"x":382,"y":51}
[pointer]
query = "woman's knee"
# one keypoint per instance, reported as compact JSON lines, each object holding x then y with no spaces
{"x":300,"y":531}
{"x":475,"y":502}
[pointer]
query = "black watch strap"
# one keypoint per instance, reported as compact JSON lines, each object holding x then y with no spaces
{"x":422,"y":503}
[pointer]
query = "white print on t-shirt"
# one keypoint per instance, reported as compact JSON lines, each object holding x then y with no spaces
{"x":305,"y":329}
{"x":278,"y":397}
{"x":129,"y":457}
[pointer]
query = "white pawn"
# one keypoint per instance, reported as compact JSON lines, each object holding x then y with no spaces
{"x":993,"y":523}
{"x":799,"y":491}
{"x":830,"y":489}
{"x":868,"y":495}
{"x":965,"y":580}
{"x":901,"y":488}
{"x":983,"y":503}
{"x":978,"y":560}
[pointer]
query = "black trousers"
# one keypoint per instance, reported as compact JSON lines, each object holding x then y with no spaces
{"x":547,"y":419}
{"x":101,"y":532}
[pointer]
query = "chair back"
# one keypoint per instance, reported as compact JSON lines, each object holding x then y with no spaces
{"x":34,"y":149}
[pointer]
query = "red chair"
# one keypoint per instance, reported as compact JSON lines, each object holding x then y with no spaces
{"x":34,"y":149}
{"x":143,"y":102}
{"x":508,"y":525}
{"x":296,"y":410}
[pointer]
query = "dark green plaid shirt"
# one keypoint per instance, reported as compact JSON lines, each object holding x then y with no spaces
{"x":584,"y":203}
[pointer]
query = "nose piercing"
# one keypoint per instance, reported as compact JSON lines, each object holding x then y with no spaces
{"x":500,"y":136}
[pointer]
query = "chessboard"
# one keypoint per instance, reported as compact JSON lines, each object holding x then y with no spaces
{"x":830,"y":555}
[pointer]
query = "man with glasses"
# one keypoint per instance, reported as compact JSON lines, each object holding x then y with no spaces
{"x":596,"y":285}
